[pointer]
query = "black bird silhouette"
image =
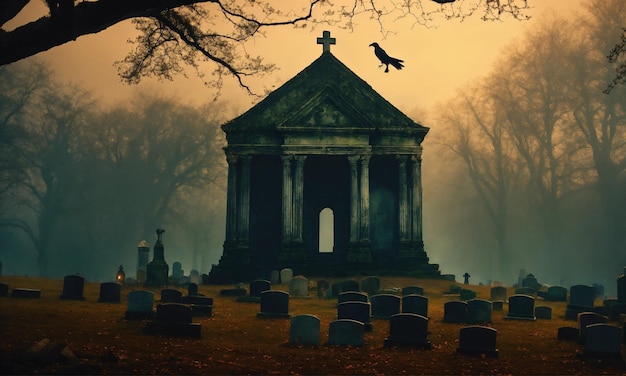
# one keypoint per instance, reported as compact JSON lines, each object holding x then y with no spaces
{"x":386,"y":59}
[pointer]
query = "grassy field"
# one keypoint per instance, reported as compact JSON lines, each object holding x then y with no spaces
{"x":234,"y":341}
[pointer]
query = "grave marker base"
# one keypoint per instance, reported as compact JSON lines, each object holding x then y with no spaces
{"x":26,"y":293}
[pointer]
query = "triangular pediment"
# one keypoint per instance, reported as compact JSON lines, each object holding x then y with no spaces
{"x":327,"y":109}
{"x":324,"y":94}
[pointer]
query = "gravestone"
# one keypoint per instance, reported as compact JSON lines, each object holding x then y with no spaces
{"x":498,"y":293}
{"x":478,"y":311}
{"x":200,"y":305}
{"x":521,"y":307}
{"x":194,"y":276}
{"x":285,"y":276}
{"x":556,"y":294}
{"x":177,"y":271}
{"x":465,"y":294}
{"x":174,"y":320}
{"x":73,"y":286}
{"x":526,"y":291}
{"x":143,"y":257}
{"x":408,"y":330}
{"x":478,"y":340}
{"x":275,"y":277}
{"x":543,"y":313}
{"x":299,"y":287}
{"x":4,"y":289}
{"x":466,"y":278}
{"x":359,"y":311}
{"x":322,"y":288}
{"x":385,"y":305}
{"x":588,"y":318}
{"x":140,"y":305}
{"x":412,"y":290}
{"x":455,"y":311}
{"x":345,"y":332}
{"x":343,"y":286}
{"x":20,"y":292}
{"x":204,"y":278}
{"x":416,"y":304}
{"x":304,"y":330}
{"x":192,"y":289}
{"x":530,"y":281}
{"x":171,"y":296}
{"x":274,"y":304}
{"x":352,"y":296}
{"x":157,"y":269}
{"x":603,"y":341}
{"x":110,"y":292}
{"x":370,"y":285}
{"x":568,"y":333}
{"x":259,"y":286}
{"x":581,"y":298}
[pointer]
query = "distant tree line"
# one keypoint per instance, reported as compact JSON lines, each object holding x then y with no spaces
{"x":86,"y":184}
{"x":544,"y":147}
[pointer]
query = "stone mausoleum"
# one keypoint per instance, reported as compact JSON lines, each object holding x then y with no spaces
{"x":324,"y":177}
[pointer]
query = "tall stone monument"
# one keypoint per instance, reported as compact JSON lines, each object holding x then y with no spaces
{"x":143,"y":257}
{"x":157,"y":273}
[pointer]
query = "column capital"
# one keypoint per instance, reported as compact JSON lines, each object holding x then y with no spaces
{"x":300,"y":158}
{"x":286,"y":158}
{"x":402,"y":158}
{"x":416,"y":158}
{"x":232,"y":158}
{"x":365,"y":159}
{"x":353,"y":159}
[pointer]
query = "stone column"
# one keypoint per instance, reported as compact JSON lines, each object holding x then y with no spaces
{"x":287,"y":198}
{"x":365,"y":197}
{"x":354,"y":198}
{"x":298,"y":197}
{"x":402,"y":197}
{"x":416,"y":198}
{"x":231,"y":198}
{"x":243,"y":223}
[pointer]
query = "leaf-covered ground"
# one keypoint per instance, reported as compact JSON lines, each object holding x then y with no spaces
{"x":234,"y":341}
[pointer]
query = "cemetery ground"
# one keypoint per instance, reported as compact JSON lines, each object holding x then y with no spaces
{"x":235,"y":341}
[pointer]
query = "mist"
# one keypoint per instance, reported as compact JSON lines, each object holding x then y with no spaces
{"x":523,"y":169}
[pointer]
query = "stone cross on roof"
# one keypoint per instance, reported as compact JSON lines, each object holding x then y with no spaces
{"x":326,"y":41}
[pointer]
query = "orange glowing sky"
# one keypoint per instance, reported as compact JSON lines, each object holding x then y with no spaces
{"x":438,"y":60}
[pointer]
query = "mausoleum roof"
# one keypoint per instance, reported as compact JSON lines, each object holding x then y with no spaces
{"x":326,"y":94}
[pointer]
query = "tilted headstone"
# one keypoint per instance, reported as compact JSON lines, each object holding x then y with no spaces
{"x":478,"y":340}
{"x":543,"y":313}
{"x":110,"y":292}
{"x":174,"y":320}
{"x":322,"y":287}
{"x":352,"y":296}
{"x":455,"y":311}
{"x":274,"y":304}
{"x":275,"y":277}
{"x":521,"y":307}
{"x":603,"y":341}
{"x":408,"y":329}
{"x":285,"y":276}
{"x":140,"y":305}
{"x":581,"y":298}
{"x":385,"y":305}
{"x":370,"y":285}
{"x":498,"y":293}
{"x":416,"y":304}
{"x":171,"y":296}
{"x":359,"y":311}
{"x":299,"y":287}
{"x":588,"y":318}
{"x":478,"y":311}
{"x":345,"y":332}
{"x":304,"y":330}
{"x":412,"y":290}
{"x":73,"y":286}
